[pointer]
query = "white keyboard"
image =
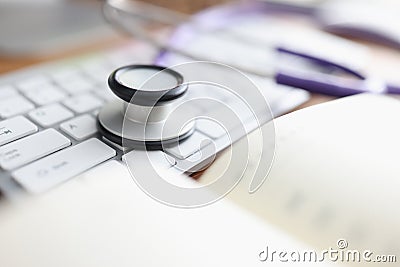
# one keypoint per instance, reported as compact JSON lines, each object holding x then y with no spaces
{"x":48,"y":131}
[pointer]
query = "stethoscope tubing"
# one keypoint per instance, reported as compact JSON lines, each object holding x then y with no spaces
{"x":334,"y":86}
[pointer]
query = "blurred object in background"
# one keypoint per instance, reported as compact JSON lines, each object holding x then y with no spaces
{"x":43,"y":27}
{"x":371,"y":20}
{"x":376,"y":21}
{"x":186,"y":6}
{"x":48,"y":26}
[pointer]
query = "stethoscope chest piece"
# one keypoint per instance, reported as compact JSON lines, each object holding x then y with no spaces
{"x":150,"y":114}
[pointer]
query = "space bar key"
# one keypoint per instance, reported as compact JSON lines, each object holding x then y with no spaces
{"x":48,"y":172}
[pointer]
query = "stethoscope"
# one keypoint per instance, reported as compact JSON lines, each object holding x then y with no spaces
{"x":144,"y":116}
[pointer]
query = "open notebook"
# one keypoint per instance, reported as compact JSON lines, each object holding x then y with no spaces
{"x":335,"y":176}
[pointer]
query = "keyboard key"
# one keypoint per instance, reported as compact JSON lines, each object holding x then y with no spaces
{"x":49,"y":115}
{"x":45,"y":95}
{"x":32,"y":83}
{"x":105,"y":93}
{"x":235,"y":115}
{"x":81,"y":127}
{"x":210,"y":128}
{"x":190,"y":146}
{"x":97,"y":69}
{"x":199,"y":160}
{"x":142,"y":163}
{"x":15,"y":128}
{"x":241,"y":109}
{"x":76,"y":84}
{"x":31,"y":148}
{"x":14,"y":106}
{"x":59,"y":167}
{"x":7,"y":91}
{"x":206,"y":97}
{"x":271,"y":91}
{"x":206,"y":91}
{"x":65,"y":74}
{"x":158,"y":159}
{"x":83,"y":103}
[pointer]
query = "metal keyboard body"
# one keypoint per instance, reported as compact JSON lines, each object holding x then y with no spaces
{"x":64,"y":98}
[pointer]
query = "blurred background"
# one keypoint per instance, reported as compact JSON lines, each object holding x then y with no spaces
{"x":42,"y":30}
